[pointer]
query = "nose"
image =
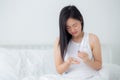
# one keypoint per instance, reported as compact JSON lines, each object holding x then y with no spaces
{"x":72,"y":29}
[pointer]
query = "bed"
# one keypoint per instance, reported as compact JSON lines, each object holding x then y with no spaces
{"x":29,"y":62}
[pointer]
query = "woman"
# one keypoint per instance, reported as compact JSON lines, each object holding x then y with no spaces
{"x":77,"y":53}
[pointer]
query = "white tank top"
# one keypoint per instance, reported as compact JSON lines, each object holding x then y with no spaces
{"x":81,"y":70}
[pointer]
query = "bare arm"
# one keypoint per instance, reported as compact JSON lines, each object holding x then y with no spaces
{"x":62,"y":66}
{"x":96,"y":50}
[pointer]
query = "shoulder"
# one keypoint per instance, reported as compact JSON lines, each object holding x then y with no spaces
{"x":93,"y":39}
{"x":56,"y":43}
{"x":57,"y":48}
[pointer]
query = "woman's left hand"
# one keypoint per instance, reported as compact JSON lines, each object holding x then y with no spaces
{"x":84,"y":56}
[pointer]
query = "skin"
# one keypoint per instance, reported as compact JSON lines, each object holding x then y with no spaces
{"x":74,"y":28}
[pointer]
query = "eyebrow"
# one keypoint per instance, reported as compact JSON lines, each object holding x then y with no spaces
{"x":74,"y":24}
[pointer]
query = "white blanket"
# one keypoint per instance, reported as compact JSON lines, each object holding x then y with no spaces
{"x":108,"y":72}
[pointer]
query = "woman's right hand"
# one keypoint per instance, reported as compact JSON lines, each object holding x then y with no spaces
{"x":72,"y":60}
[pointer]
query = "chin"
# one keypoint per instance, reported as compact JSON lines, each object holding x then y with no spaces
{"x":75,"y":35}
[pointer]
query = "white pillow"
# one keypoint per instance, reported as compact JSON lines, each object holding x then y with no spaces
{"x":40,"y":62}
{"x":114,"y":71}
{"x":9,"y":64}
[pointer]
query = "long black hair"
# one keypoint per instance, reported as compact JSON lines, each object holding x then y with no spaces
{"x":67,"y":12}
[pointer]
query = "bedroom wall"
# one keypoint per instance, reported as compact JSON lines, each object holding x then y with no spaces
{"x":35,"y":22}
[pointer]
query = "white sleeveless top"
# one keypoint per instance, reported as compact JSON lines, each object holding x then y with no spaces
{"x":78,"y":71}
{"x":82,"y":70}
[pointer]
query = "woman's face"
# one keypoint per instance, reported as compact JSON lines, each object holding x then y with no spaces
{"x":73,"y":27}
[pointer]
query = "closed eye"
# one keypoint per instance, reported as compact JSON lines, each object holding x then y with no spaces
{"x":75,"y":25}
{"x":68,"y":28}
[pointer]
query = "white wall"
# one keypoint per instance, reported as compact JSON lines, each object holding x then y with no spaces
{"x":31,"y":22}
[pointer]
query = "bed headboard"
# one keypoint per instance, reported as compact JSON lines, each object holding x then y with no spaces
{"x":40,"y":46}
{"x":110,"y":53}
{"x":106,"y":54}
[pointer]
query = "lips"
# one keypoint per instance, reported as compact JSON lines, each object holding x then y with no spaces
{"x":74,"y":32}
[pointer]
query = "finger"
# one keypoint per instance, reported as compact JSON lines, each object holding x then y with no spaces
{"x":80,"y":54}
{"x":75,"y":62}
{"x":78,"y":51}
